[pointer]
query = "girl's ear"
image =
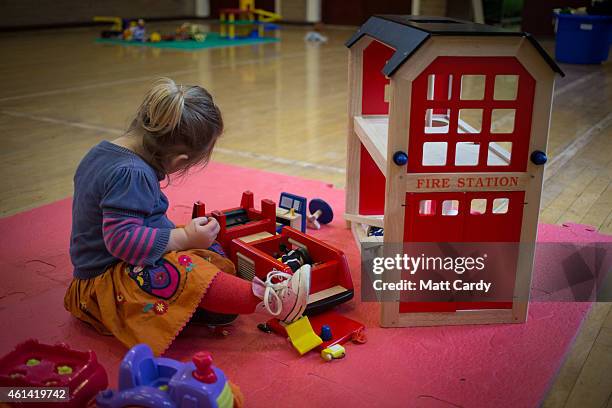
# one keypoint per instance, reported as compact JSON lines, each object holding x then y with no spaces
{"x":178,"y":162}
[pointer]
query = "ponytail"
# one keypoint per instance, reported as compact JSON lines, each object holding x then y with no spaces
{"x":162,"y":107}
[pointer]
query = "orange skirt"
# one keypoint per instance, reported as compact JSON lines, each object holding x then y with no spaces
{"x":148,"y":304}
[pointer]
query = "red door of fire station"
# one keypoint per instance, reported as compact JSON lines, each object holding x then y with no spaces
{"x":470,"y":125}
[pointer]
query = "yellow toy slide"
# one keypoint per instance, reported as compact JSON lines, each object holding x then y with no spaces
{"x":302,"y":336}
{"x":266,"y":16}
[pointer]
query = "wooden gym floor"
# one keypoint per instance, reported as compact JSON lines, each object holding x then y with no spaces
{"x":285,"y":109}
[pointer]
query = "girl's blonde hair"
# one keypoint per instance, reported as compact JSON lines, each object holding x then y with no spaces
{"x":177,"y":119}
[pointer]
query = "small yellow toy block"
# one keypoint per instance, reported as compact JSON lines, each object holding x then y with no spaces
{"x":302,"y":336}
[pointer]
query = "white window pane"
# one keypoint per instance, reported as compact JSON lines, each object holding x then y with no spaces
{"x":434,"y":153}
{"x":466,"y":154}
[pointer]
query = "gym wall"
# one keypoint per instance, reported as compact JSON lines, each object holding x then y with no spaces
{"x":357,"y":12}
{"x":32,"y":13}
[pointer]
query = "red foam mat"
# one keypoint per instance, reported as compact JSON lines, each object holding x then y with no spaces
{"x":475,"y":366}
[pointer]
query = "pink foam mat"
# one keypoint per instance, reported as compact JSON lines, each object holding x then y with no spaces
{"x":473,"y":366}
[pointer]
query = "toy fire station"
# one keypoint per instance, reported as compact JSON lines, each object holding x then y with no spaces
{"x":448,"y":125}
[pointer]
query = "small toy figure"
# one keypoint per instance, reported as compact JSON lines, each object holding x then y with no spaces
{"x":375,"y":231}
{"x":127,"y":34}
{"x":326,"y":333}
{"x":32,"y":364}
{"x":333,"y":352}
{"x":199,"y":37}
{"x":162,"y":382}
{"x":295,"y":258}
{"x":182,"y":32}
{"x":315,"y":35}
{"x":138,"y":31}
{"x":189,"y":31}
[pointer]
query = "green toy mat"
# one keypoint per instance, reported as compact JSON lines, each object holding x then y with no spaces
{"x":213,"y":40}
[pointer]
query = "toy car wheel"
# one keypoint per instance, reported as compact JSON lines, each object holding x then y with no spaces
{"x":327,"y":357}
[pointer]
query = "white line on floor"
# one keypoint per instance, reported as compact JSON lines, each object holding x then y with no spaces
{"x":577,"y":144}
{"x":148,"y":77}
{"x":280,"y":160}
{"x":96,"y":85}
{"x":554,"y":165}
{"x":223,"y":150}
{"x":571,"y":85}
{"x":62,"y":122}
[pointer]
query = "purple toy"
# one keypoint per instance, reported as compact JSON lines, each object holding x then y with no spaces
{"x":151,"y":382}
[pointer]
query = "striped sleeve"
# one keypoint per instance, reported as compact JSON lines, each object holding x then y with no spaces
{"x":129,"y":198}
{"x":128,"y":239}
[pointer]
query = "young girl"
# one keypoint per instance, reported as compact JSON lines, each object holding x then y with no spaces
{"x":136,"y":275}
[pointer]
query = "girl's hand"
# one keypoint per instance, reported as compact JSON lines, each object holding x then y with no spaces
{"x":201,"y":232}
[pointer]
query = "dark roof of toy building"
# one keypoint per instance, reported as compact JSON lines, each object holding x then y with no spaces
{"x":407,"y":33}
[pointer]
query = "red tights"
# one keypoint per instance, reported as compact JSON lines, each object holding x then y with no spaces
{"x":230,"y":295}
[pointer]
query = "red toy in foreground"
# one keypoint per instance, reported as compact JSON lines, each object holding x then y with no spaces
{"x":32,"y":364}
{"x":341,"y":329}
{"x":248,"y":237}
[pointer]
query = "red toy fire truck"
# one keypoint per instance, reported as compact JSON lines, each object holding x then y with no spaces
{"x":248,"y":237}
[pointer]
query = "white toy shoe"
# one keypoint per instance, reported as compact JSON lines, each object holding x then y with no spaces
{"x":283,"y":295}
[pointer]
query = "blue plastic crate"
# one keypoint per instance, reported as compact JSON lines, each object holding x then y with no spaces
{"x":583,"y":39}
